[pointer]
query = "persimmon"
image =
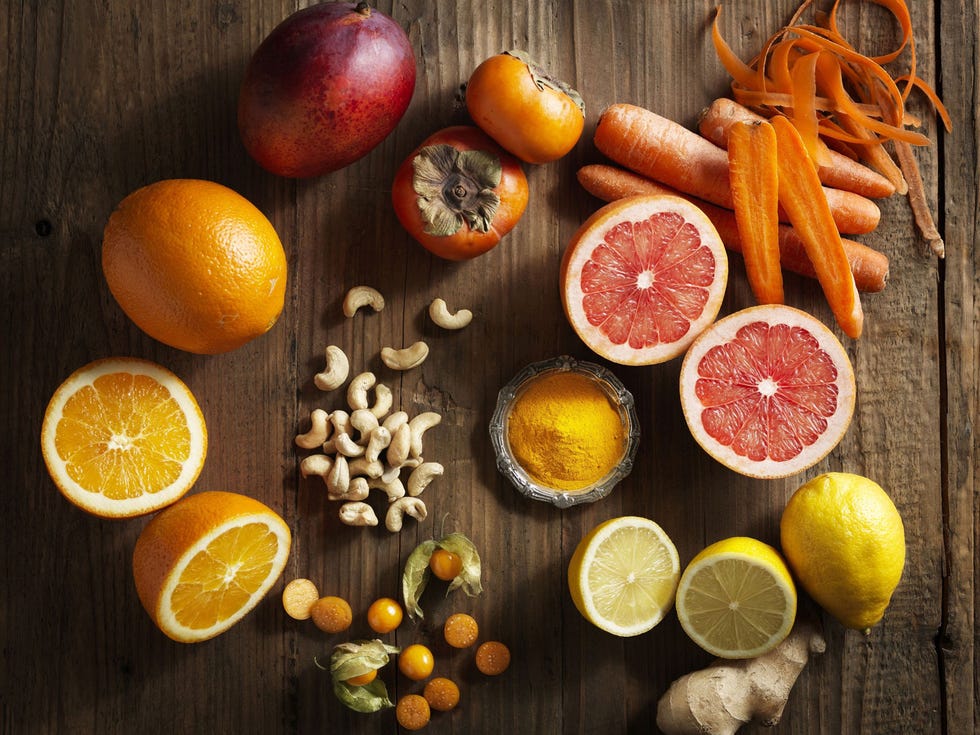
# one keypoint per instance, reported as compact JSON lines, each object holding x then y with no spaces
{"x":459,"y":193}
{"x":529,"y":112}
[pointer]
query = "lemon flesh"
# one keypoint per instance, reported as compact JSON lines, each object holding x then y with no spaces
{"x":623,"y":575}
{"x":845,"y":541}
{"x":736,"y":599}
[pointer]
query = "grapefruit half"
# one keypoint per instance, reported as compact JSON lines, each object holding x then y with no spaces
{"x":642,"y":277}
{"x":767,"y":391}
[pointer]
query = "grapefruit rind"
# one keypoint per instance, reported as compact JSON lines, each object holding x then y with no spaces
{"x":89,"y":499}
{"x":725,"y":330}
{"x":592,"y":233}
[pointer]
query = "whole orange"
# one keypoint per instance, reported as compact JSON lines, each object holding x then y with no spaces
{"x":195,"y":265}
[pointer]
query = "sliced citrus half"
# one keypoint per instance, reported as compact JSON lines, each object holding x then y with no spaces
{"x":767,"y":391}
{"x":623,"y":574}
{"x":736,"y":599}
{"x":203,"y":563}
{"x":642,"y":277}
{"x":122,"y":437}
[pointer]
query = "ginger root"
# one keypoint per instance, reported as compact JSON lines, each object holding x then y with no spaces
{"x":727,"y":694}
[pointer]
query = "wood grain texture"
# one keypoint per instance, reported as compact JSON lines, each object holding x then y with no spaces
{"x":97,"y":99}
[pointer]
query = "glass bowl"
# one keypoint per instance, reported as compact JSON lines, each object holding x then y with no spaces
{"x":508,"y":466}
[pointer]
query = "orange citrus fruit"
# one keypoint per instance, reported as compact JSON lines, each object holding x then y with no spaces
{"x":642,"y":277}
{"x":767,"y":391}
{"x":122,"y":437}
{"x":203,"y":563}
{"x":195,"y":265}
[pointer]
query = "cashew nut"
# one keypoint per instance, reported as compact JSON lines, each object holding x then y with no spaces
{"x":319,"y":430}
{"x":418,"y":426}
{"x":362,"y":296}
{"x":357,"y":390}
{"x":402,"y":507}
{"x":357,"y":490}
{"x":361,"y":466}
{"x":357,"y":395}
{"x":394,"y":489}
{"x":378,"y":441}
{"x":400,"y":446}
{"x":345,"y":446}
{"x":358,"y":513}
{"x":340,"y":420}
{"x":405,"y":358}
{"x":422,"y":475}
{"x":365,"y":422}
{"x":391,"y":473}
{"x":335,"y":373}
{"x":338,"y":479}
{"x":316,"y":464}
{"x":382,"y":400}
{"x":394,"y":421}
{"x":440,"y":314}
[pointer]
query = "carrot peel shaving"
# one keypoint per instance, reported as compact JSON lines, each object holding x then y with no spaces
{"x":851,"y":99}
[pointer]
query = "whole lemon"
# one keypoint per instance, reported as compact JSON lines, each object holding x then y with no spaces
{"x":844,"y":540}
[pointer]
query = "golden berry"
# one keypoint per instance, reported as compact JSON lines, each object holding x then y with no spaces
{"x":412,"y":712}
{"x":460,"y":630}
{"x":492,"y":658}
{"x":441,"y":693}
{"x":416,"y":662}
{"x":331,"y":614}
{"x":384,"y":615}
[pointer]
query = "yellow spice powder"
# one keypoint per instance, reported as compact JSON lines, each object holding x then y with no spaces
{"x":565,"y":431}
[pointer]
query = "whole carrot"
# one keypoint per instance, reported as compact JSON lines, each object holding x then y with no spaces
{"x":666,"y":151}
{"x":755,"y":194}
{"x":608,"y":183}
{"x":840,"y":172}
{"x":802,"y":198}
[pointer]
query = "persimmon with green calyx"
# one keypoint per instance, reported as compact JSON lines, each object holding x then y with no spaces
{"x":417,"y":570}
{"x":532,"y":114}
{"x":354,"y":671}
{"x":459,"y":193}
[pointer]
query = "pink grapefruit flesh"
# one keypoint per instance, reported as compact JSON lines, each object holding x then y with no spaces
{"x":642,"y":278}
{"x":767,"y":391}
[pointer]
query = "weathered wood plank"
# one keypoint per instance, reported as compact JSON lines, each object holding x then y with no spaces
{"x":957,"y":637}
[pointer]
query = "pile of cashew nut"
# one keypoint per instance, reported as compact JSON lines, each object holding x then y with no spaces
{"x":367,"y":448}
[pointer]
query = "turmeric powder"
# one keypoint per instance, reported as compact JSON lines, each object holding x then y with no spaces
{"x":565,"y":431}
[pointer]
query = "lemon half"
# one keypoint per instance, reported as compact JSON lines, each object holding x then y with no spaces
{"x":623,"y":575}
{"x":736,"y":599}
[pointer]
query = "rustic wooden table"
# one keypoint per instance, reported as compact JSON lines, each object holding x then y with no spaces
{"x":101,"y":98}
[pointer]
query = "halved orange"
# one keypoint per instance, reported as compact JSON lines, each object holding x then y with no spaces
{"x":203,"y":563}
{"x":642,"y":277}
{"x":767,"y":391}
{"x":122,"y":437}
